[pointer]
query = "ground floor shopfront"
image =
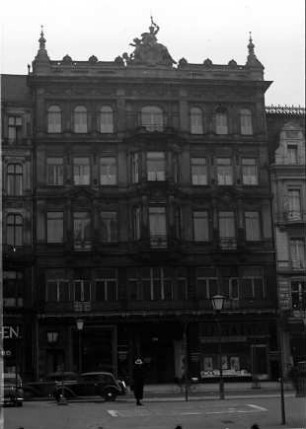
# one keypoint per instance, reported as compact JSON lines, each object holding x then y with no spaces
{"x":162,"y":342}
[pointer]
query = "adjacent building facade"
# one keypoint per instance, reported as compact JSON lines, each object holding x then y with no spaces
{"x":134,"y":191}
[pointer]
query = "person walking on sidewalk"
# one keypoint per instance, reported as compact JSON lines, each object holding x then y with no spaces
{"x":138,"y":380}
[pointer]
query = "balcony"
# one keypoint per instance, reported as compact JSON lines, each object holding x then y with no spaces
{"x":228,"y":243}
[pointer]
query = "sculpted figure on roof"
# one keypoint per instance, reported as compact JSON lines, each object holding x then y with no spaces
{"x":148,"y":50}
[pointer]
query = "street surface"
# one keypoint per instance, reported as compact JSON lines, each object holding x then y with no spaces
{"x":155,"y":414}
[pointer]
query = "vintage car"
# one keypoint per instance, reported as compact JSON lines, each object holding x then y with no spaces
{"x":45,"y":388}
{"x":12,"y":389}
{"x":98,"y":383}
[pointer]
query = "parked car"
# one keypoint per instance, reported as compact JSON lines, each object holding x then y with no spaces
{"x":12,"y":389}
{"x":100,"y":383}
{"x":45,"y":388}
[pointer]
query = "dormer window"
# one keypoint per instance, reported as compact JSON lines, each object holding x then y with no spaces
{"x":221,"y":121}
{"x":80,"y":119}
{"x":54,"y":119}
{"x":196,"y":120}
{"x":106,"y":120}
{"x":152,"y":118}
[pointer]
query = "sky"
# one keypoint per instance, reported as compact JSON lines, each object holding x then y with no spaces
{"x":193,"y":29}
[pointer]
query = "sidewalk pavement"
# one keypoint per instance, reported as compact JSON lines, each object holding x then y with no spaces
{"x":211,"y":390}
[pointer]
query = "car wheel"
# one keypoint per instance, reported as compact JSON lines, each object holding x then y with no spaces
{"x":110,"y":395}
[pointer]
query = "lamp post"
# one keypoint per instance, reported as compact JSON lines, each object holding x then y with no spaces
{"x":217,"y":304}
{"x":80,"y":326}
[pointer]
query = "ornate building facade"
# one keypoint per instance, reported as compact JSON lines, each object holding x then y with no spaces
{"x":286,"y":127}
{"x":134,"y":191}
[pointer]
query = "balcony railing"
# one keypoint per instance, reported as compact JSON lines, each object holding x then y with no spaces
{"x":228,"y":243}
{"x":159,"y":242}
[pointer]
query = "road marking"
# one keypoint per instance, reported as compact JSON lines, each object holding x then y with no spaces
{"x":113,"y":413}
{"x":257,"y":407}
{"x":190,"y":413}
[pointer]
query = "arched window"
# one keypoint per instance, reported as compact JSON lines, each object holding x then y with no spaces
{"x":221,"y":121}
{"x":80,"y":119}
{"x":54,"y":119}
{"x":196,"y":120}
{"x":106,"y":120}
{"x":14,"y":179}
{"x":152,"y":118}
{"x":14,"y":227}
{"x":246,"y":127}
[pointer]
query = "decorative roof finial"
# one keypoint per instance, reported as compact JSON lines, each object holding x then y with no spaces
{"x":42,"y":40}
{"x":251,"y":45}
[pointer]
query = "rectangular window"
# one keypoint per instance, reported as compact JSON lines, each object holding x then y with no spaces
{"x":297,"y":253}
{"x":135,"y":167}
{"x":246,"y":122}
{"x":249,"y":171}
{"x":109,"y":227}
{"x":298,"y":295}
{"x":55,"y":227}
{"x":13,"y":289}
{"x":224,"y":171}
{"x":199,"y":171}
{"x":81,"y":171}
{"x":252,"y":226}
{"x":200,"y":226}
{"x":294,"y":204}
{"x":108,"y":171}
{"x":14,"y":128}
{"x":57,"y":290}
{"x":156,"y":166}
{"x":221,"y":123}
{"x":227,"y":231}
{"x":158,"y":229}
{"x":107,"y":286}
{"x":136,"y":223}
{"x":55,"y":171}
{"x":292,"y":153}
{"x":230,"y":287}
{"x":81,"y":290}
{"x":14,"y":179}
{"x":14,"y":230}
{"x":252,"y":288}
{"x":82,"y":231}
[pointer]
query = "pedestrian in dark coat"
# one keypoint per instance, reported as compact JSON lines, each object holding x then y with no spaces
{"x":138,"y":380}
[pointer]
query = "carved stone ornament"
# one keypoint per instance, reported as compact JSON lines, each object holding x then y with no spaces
{"x":67,"y":60}
{"x":147,"y":51}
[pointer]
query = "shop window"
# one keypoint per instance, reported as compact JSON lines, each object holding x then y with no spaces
{"x":14,"y":128}
{"x":298,"y":295}
{"x":252,"y":226}
{"x":199,"y":171}
{"x":246,"y":127}
{"x":196,"y":120}
{"x":54,"y":118}
{"x":80,"y":119}
{"x":249,"y":171}
{"x":227,"y":230}
{"x":55,"y":227}
{"x":55,"y":171}
{"x":200,"y":226}
{"x":108,"y":171}
{"x":81,"y":171}
{"x":14,"y":179}
{"x":152,"y":118}
{"x":14,"y":230}
{"x":81,"y":231}
{"x":224,"y":171}
{"x":109,"y":227}
{"x":297,"y":253}
{"x":158,"y":229}
{"x":156,"y":166}
{"x":106,"y":120}
{"x":221,"y":121}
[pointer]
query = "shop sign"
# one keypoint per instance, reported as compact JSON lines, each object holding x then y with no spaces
{"x":10,"y":332}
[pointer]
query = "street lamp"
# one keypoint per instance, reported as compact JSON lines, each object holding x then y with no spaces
{"x":217,"y":304}
{"x":80,"y":326}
